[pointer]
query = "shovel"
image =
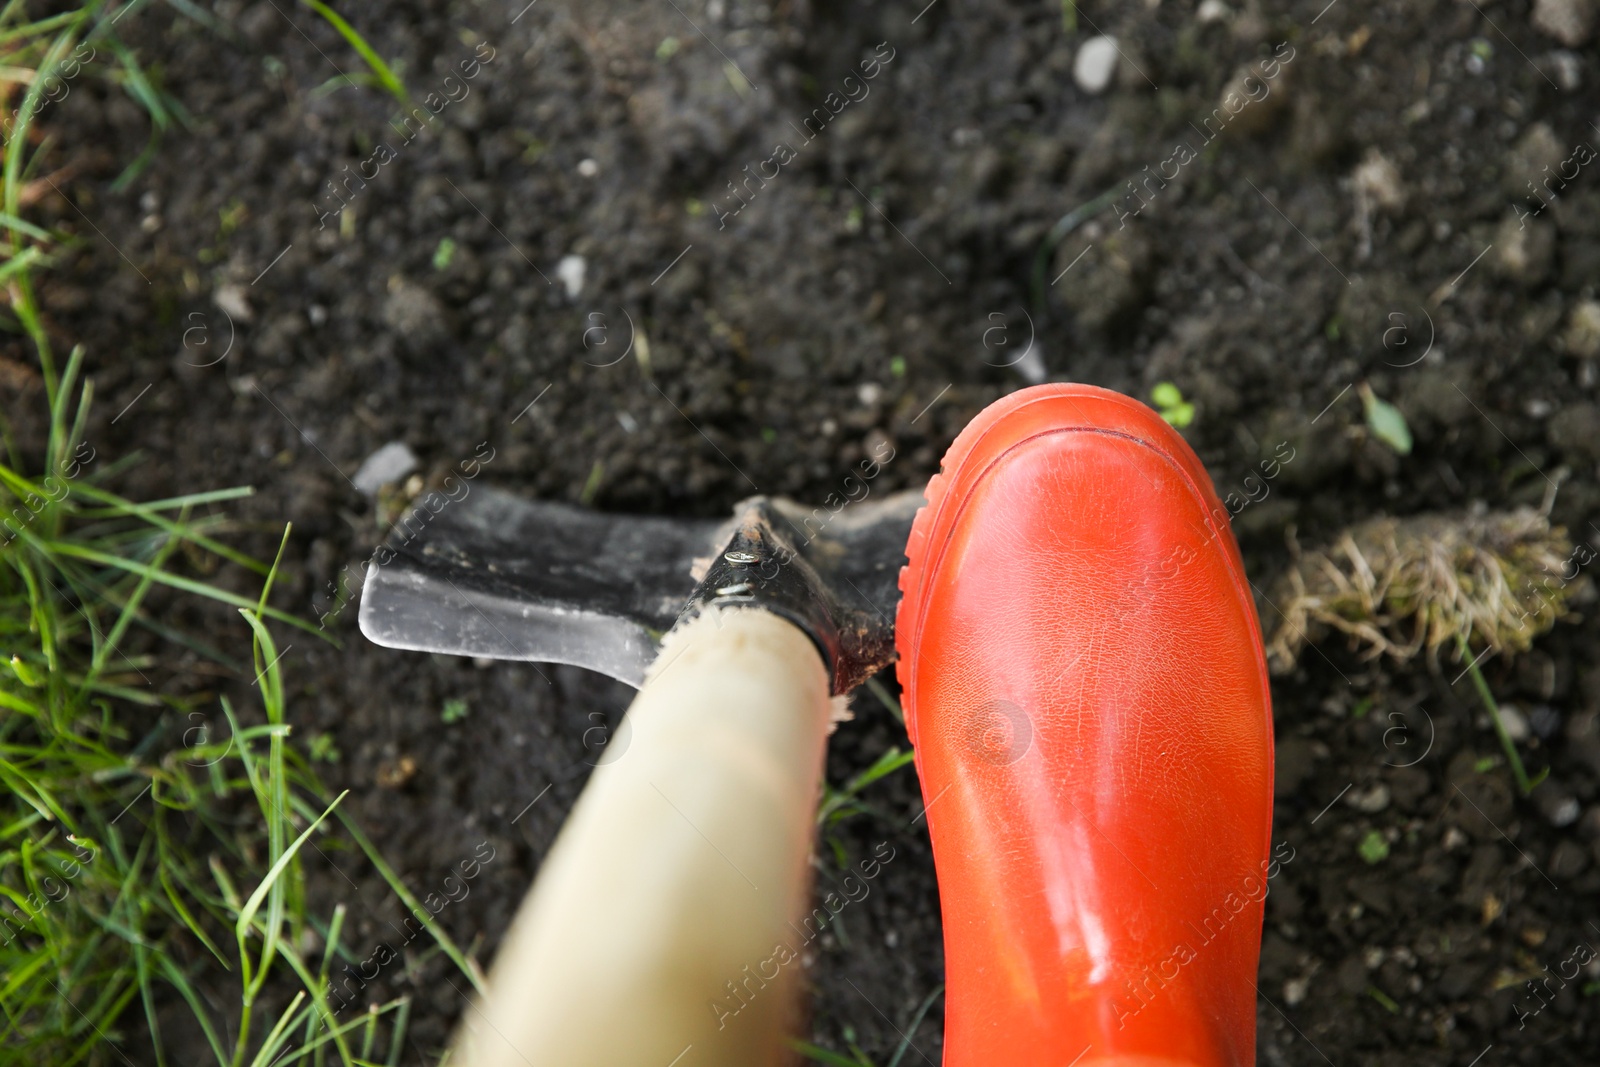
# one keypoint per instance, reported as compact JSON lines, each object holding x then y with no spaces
{"x":659,"y":931}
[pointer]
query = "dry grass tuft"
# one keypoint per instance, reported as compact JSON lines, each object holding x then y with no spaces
{"x":1402,"y":586}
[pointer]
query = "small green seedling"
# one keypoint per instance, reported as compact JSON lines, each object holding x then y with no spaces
{"x":444,"y":254}
{"x":455,"y":709}
{"x":1389,"y":1003}
{"x":1386,"y":422}
{"x":1373,"y":848}
{"x":324,"y":750}
{"x":1169,"y":402}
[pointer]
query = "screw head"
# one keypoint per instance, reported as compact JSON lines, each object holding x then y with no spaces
{"x":741,"y":557}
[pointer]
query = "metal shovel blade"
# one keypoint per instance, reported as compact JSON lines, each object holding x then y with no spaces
{"x":500,"y":576}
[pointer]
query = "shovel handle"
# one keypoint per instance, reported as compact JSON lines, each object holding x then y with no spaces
{"x":663,"y":908}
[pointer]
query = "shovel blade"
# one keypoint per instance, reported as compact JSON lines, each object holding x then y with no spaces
{"x":496,"y":575}
{"x":499,"y":576}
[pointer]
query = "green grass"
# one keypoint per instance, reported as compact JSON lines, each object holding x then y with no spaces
{"x":858,"y":1058}
{"x":152,"y":840}
{"x":381,"y":73}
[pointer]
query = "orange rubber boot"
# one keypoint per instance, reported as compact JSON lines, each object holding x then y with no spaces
{"x":1085,"y":687}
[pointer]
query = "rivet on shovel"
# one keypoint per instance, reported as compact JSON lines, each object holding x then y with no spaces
{"x":740,"y":557}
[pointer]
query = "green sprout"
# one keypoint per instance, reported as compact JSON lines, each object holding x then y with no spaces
{"x":444,"y":254}
{"x":1518,"y":771}
{"x":1388,"y":1002}
{"x":323,"y":749}
{"x":1386,"y":422}
{"x":1171,"y":405}
{"x":381,"y":72}
{"x":455,"y":709}
{"x":1373,"y":848}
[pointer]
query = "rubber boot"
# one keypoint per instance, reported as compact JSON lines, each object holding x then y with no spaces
{"x":1084,"y":683}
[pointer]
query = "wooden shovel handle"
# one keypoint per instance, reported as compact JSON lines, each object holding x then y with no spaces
{"x":662,"y":911}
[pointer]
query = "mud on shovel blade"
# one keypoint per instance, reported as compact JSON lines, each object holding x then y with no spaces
{"x":684,"y":861}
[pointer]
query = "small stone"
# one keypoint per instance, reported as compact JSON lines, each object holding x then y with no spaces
{"x":1370,"y":801}
{"x":1575,"y":429}
{"x":1213,"y":11}
{"x":1545,"y":720}
{"x":1565,"y":67}
{"x":414,"y":313}
{"x":395,"y":774}
{"x":1536,"y":151}
{"x":384,"y":467}
{"x":1249,"y":101}
{"x":571,"y":270}
{"x":1515,"y":723}
{"x":1568,"y":860}
{"x":869,"y":393}
{"x":1378,"y":180}
{"x":1560,"y":809}
{"x":233,"y":302}
{"x":1525,"y":249}
{"x":1582,"y":335}
{"x":1294,"y":990}
{"x":1095,"y":64}
{"x":878,"y":445}
{"x":1569,"y":21}
{"x":588,"y":168}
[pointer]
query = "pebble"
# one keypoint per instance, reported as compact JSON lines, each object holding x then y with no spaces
{"x":1545,"y":720}
{"x":1378,"y":179}
{"x":233,"y":302}
{"x":1567,"y":69}
{"x":1525,"y":250}
{"x":588,"y":168}
{"x":1515,"y":722}
{"x":1569,"y":21}
{"x":1095,"y":64}
{"x":1583,"y":330}
{"x":1564,"y":813}
{"x":1294,"y":990}
{"x":1370,"y":801}
{"x":387,"y":465}
{"x":1213,"y":11}
{"x":571,"y":270}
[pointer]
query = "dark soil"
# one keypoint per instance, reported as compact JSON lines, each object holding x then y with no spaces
{"x":854,"y":299}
